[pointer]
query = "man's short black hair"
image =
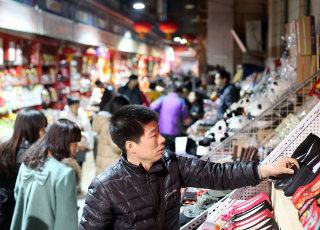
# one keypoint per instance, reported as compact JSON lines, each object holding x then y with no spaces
{"x":152,"y":85}
{"x":99,"y":83}
{"x":224,"y":75}
{"x":133,"y":77}
{"x":71,"y":100}
{"x":128,"y":124}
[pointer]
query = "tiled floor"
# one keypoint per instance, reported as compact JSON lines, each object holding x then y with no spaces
{"x":88,"y":173}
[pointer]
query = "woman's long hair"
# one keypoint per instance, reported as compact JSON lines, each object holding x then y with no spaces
{"x":56,"y":141}
{"x":26,"y":127}
{"x":116,"y":103}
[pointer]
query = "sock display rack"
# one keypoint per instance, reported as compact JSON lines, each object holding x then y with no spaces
{"x":208,"y":219}
{"x":264,"y":125}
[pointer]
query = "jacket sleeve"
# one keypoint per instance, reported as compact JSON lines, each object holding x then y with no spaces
{"x":231,"y":95}
{"x":66,"y":198}
{"x":97,"y":211}
{"x":156,"y":105}
{"x":206,"y":174}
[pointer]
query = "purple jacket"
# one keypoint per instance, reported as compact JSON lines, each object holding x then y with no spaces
{"x":172,"y":110}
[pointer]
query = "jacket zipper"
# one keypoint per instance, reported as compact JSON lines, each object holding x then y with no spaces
{"x":153,"y":197}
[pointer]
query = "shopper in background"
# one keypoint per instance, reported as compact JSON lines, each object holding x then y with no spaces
{"x":227,"y":93}
{"x":152,"y":94}
{"x":108,"y":93}
{"x":142,"y":191}
{"x":196,"y":110}
{"x":131,"y":90}
{"x":45,"y":190}
{"x":173,"y":114}
{"x":108,"y":152}
{"x":29,"y":126}
{"x":75,"y":113}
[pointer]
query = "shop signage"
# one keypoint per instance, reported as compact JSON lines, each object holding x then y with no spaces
{"x":82,"y":16}
{"x":19,"y":17}
{"x":1,"y":51}
{"x":54,"y":6}
{"x":57,"y":27}
{"x":86,"y":35}
{"x":101,"y":23}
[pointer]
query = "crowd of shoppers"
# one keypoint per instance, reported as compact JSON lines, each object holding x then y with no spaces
{"x":40,"y":172}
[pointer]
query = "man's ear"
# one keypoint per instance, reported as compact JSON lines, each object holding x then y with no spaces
{"x":130,"y":147}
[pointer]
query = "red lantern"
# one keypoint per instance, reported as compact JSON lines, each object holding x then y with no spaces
{"x":142,"y":28}
{"x":179,"y":48}
{"x":91,"y":52}
{"x":168,"y":27}
{"x":68,"y":52}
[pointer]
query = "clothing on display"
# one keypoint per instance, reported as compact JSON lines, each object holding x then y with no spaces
{"x":307,"y":154}
{"x":249,"y":214}
{"x":307,"y":200}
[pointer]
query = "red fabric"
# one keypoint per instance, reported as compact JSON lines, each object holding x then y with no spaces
{"x":144,"y":99}
{"x":315,"y":91}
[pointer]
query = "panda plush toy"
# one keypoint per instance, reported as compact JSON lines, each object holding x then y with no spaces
{"x":258,"y":106}
{"x":218,"y":133}
{"x":238,"y":108}
{"x":236,"y":123}
{"x":277,"y":88}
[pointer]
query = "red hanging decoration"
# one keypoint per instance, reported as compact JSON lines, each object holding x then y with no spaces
{"x":91,"y":52}
{"x":68,"y":52}
{"x":168,"y":27}
{"x":142,"y":28}
{"x":315,"y":91}
{"x":190,"y":38}
{"x":179,"y":47}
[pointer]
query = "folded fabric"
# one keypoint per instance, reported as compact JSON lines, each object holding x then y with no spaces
{"x":267,"y":224}
{"x":283,"y":180}
{"x":306,"y":192}
{"x":246,"y":205}
{"x":310,"y":218}
{"x":310,"y":146}
{"x":251,"y":221}
{"x":256,"y":209}
{"x":303,"y":177}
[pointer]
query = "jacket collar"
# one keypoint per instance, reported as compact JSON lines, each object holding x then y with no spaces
{"x":139,"y":169}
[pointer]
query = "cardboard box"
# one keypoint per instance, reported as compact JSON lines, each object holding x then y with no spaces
{"x":306,"y":66}
{"x":306,"y":35}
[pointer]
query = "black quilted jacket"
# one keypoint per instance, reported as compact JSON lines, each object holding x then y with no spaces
{"x":127,"y":197}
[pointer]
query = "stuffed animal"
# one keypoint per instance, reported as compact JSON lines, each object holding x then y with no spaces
{"x":237,"y":122}
{"x":218,"y":133}
{"x":237,"y":108}
{"x":277,"y":88}
{"x":258,"y":106}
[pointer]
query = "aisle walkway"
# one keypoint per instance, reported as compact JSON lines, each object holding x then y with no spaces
{"x":88,"y":173}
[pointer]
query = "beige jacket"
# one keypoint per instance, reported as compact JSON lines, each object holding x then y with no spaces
{"x":108,"y":152}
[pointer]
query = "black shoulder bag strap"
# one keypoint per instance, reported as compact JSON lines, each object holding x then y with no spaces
{"x":162,"y":203}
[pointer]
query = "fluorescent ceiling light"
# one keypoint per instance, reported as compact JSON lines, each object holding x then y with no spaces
{"x":177,"y":39}
{"x":138,"y":6}
{"x":189,"y":6}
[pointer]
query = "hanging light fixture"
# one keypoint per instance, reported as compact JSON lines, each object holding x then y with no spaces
{"x":138,"y":5}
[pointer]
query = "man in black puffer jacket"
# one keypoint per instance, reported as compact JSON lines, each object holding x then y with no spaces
{"x":142,"y":190}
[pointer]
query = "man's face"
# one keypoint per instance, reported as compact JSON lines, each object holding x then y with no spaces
{"x":133,"y":83}
{"x":220,"y":82}
{"x":151,"y":145}
{"x":74,"y":109}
